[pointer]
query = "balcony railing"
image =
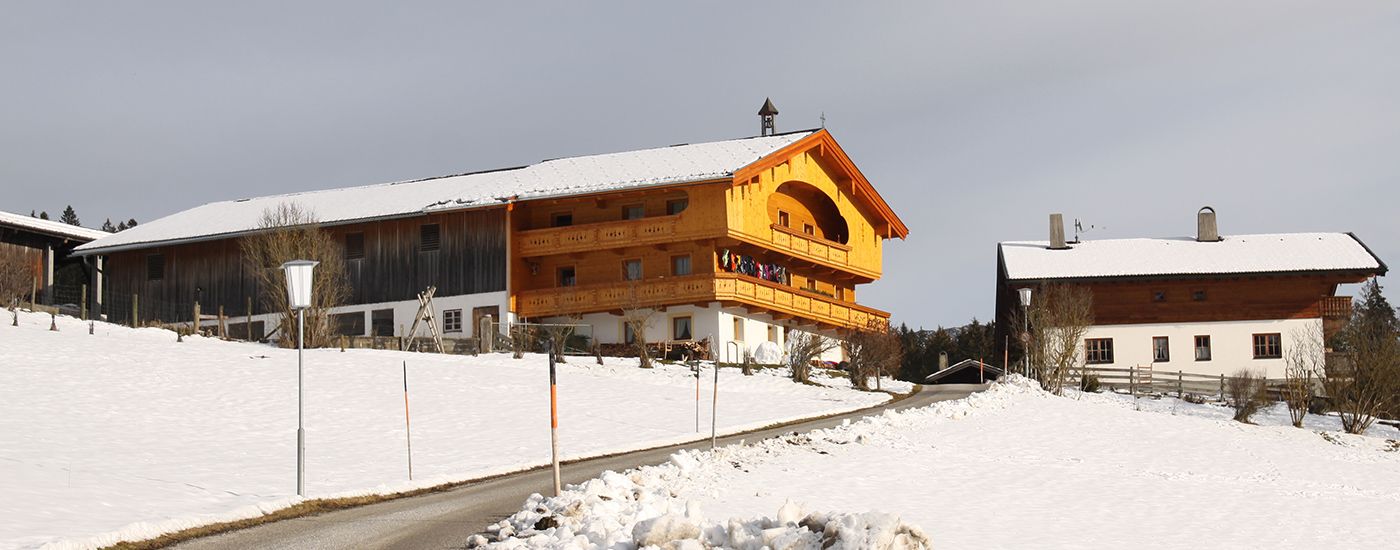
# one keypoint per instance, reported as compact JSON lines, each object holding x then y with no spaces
{"x":780,"y":300}
{"x":807,"y":247}
{"x":1336,"y":307}
{"x":595,"y":236}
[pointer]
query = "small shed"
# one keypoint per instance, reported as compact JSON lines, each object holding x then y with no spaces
{"x":967,"y":371}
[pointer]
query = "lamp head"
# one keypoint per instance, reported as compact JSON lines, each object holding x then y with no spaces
{"x":299,"y":282}
{"x":1025,"y":297}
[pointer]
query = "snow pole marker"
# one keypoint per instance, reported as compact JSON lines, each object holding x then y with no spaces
{"x":407,"y":428}
{"x":553,"y":417}
{"x":714,"y":408}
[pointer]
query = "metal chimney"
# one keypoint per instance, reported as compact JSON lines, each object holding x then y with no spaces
{"x":1057,"y":232}
{"x":1206,"y":231}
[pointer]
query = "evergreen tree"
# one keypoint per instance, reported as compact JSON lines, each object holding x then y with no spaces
{"x":108,"y":227}
{"x":70,"y":217}
{"x":121,"y":226}
{"x":131,"y":223}
{"x":31,"y":213}
{"x":43,"y":215}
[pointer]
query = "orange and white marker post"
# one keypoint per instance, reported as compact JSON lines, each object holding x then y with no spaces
{"x":407,"y":428}
{"x":553,"y":418}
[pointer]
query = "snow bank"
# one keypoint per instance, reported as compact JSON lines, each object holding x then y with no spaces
{"x":125,"y":434}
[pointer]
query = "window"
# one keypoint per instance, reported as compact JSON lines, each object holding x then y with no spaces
{"x":1268,"y":346}
{"x":773,"y":334}
{"x":676,"y":206}
{"x":632,"y":270}
{"x":808,"y":229}
{"x":381,"y":322}
{"x":561,"y":219}
{"x":1198,"y":295}
{"x":566,"y":276}
{"x":634,"y":212}
{"x":680,"y":265}
{"x":1098,"y":351}
{"x":1203,"y":348}
{"x":452,"y":320}
{"x":1159,"y":295}
{"x":628,"y":335}
{"x":429,"y":237}
{"x":354,"y":246}
{"x":349,"y":324}
{"x":1161,"y":351}
{"x":155,"y":267}
{"x":739,"y":328}
{"x":782,"y":218}
{"x":680,"y":328}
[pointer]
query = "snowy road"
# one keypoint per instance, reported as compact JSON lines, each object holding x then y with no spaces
{"x":445,"y":520}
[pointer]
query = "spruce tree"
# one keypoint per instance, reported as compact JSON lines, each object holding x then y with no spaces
{"x":70,"y":217}
{"x":31,"y":213}
{"x":44,"y":215}
{"x":131,"y":223}
{"x":108,"y":227}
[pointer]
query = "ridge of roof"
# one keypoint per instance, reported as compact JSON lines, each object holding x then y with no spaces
{"x":51,"y":226}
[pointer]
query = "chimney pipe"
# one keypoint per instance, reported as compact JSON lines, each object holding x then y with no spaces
{"x":1206,"y":231}
{"x":1057,"y":232}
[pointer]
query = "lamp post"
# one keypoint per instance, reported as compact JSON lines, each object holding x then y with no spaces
{"x":299,"y":298}
{"x":1026,"y":327}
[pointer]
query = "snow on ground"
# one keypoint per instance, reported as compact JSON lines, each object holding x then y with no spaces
{"x":126,"y":434}
{"x":1012,"y":467}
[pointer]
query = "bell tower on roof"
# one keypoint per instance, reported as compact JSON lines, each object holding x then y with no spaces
{"x":766,"y":114}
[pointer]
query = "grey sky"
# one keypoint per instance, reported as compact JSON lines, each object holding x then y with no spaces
{"x":974,"y":119}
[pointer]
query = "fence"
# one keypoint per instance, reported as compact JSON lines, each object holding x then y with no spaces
{"x":569,"y":339}
{"x":1144,"y":380}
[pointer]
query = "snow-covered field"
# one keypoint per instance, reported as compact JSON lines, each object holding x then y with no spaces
{"x":126,"y":434}
{"x":1012,"y":467}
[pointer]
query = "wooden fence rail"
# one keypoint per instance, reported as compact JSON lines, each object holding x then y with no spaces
{"x":1159,"y":382}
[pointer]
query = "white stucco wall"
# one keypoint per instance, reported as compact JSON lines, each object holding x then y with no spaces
{"x":405,"y":310}
{"x":1232,"y":345}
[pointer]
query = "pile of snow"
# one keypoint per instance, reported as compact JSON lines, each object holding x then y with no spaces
{"x":125,"y":434}
{"x":1010,"y":467}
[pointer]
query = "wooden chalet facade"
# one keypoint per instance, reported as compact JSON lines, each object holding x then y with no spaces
{"x":46,"y":247}
{"x":1208,"y":305}
{"x":739,"y":240}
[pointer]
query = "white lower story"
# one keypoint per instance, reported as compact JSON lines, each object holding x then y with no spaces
{"x":731,"y":331}
{"x":396,"y":318}
{"x":1231,"y":345}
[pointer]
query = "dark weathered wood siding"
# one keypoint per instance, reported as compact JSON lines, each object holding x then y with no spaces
{"x":471,"y":259}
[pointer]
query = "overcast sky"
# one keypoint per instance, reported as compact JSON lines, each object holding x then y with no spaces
{"x":974,"y":119}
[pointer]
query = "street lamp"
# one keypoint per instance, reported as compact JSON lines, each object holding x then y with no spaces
{"x":1026,"y":328}
{"x":299,"y":298}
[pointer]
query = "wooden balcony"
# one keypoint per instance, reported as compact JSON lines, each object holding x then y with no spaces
{"x":1336,"y":307}
{"x":599,"y":236}
{"x":783,"y":302}
{"x":811,"y":248}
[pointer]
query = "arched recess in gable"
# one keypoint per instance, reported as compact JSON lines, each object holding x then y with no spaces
{"x":802,"y":207}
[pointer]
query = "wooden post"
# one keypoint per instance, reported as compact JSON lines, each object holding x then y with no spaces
{"x":1222,"y":386}
{"x":135,"y":310}
{"x":1179,"y":393}
{"x":223,"y":329}
{"x":485,"y":338}
{"x":194,"y":324}
{"x":83,"y":309}
{"x":33,"y":293}
{"x":248,"y":319}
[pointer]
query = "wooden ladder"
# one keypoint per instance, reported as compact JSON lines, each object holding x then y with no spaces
{"x":425,"y":316}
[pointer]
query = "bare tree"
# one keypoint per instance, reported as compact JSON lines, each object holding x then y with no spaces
{"x":1246,"y":392}
{"x":1365,"y":381}
{"x":1060,"y":315}
{"x":803,"y":348}
{"x":1305,"y":361}
{"x":871,"y":351}
{"x":637,"y":316}
{"x":285,"y":233}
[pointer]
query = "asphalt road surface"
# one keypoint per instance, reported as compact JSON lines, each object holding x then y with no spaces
{"x":444,"y":520}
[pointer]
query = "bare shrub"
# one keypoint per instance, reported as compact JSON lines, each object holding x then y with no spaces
{"x":16,"y":274}
{"x":1060,"y":315}
{"x":1305,"y":361}
{"x":871,"y":351}
{"x":803,"y":348}
{"x":637,"y":316}
{"x":1246,"y":393}
{"x":285,"y":233}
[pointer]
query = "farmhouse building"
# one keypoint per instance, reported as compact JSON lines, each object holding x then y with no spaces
{"x":46,"y":248}
{"x":739,"y":240}
{"x":1211,"y":304}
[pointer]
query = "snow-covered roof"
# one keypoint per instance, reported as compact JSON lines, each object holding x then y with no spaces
{"x":551,"y":178}
{"x":51,"y":227}
{"x":1234,"y":254}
